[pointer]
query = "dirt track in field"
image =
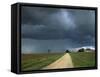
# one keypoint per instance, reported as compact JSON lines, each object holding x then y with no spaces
{"x":64,"y":62}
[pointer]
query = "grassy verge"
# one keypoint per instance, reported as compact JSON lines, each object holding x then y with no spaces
{"x":83,"y":59}
{"x":38,"y":61}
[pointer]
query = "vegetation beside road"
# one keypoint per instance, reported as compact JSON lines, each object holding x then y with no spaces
{"x":83,"y":59}
{"x":38,"y":61}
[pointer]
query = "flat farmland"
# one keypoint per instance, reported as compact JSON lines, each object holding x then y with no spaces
{"x":38,"y":61}
{"x":83,"y":59}
{"x":57,"y":60}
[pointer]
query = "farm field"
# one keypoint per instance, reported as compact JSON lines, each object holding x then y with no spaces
{"x":83,"y":59}
{"x":38,"y":61}
{"x":57,"y":60}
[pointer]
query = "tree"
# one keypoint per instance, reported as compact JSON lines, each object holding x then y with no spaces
{"x":81,"y":50}
{"x":88,"y":49}
{"x":49,"y":50}
{"x":67,"y":51}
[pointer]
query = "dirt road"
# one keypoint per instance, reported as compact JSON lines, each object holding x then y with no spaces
{"x":64,"y":62}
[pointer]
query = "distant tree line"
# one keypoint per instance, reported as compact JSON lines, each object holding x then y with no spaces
{"x":67,"y":51}
{"x":81,"y":50}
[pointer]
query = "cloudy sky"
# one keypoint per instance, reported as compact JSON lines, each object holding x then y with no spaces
{"x":56,"y":29}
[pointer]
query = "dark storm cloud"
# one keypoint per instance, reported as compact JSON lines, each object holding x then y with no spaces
{"x":59,"y":24}
{"x":38,"y":46}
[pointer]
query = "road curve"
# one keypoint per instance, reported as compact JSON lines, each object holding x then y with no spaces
{"x":64,"y":62}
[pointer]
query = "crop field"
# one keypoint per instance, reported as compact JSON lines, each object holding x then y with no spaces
{"x":83,"y":59}
{"x":38,"y":61}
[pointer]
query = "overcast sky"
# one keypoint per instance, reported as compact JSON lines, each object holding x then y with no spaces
{"x":56,"y":29}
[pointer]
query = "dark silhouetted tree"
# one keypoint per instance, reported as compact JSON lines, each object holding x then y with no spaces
{"x":49,"y":50}
{"x":81,"y":50}
{"x":88,"y":49}
{"x":67,"y":51}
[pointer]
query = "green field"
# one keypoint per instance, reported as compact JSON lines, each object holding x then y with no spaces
{"x":38,"y":61}
{"x":83,"y":59}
